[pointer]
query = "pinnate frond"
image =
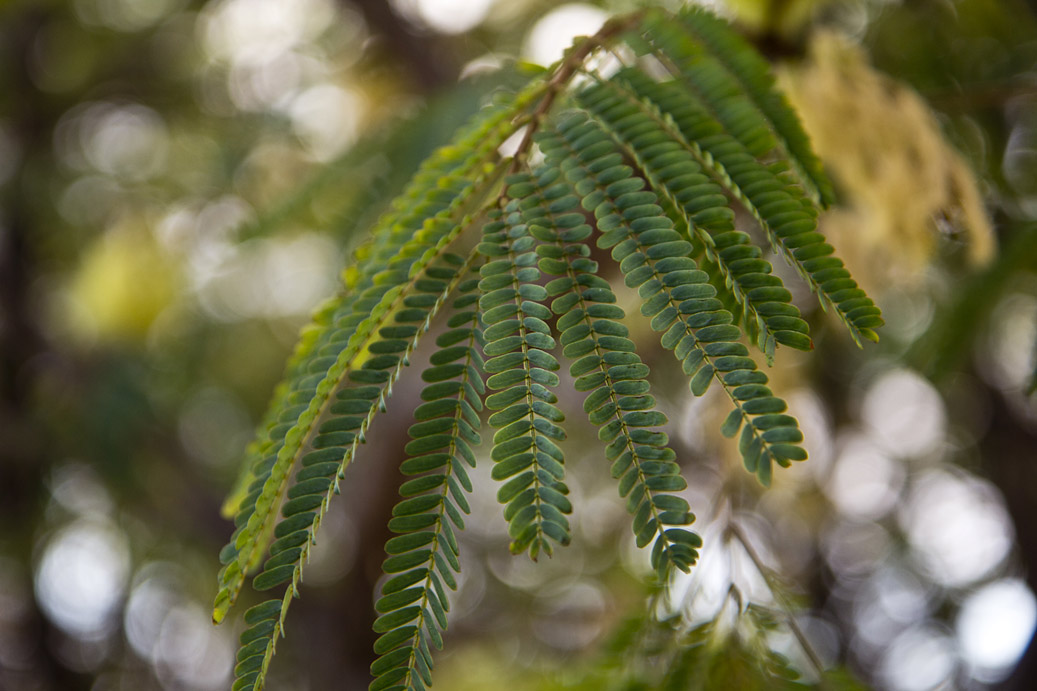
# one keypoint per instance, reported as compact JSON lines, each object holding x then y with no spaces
{"x":675,"y":170}
{"x":753,"y":73}
{"x":366,"y":383}
{"x":424,"y":555}
{"x":647,"y":166}
{"x":607,"y":367}
{"x":522,"y":374}
{"x":430,"y":218}
{"x":674,"y":292}
{"x":788,"y":218}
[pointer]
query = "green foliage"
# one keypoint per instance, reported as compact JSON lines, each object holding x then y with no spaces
{"x":751,"y":72}
{"x":645,"y":166}
{"x":522,"y":372}
{"x":675,"y":293}
{"x":666,"y":652}
{"x":424,"y":556}
{"x":675,"y":170}
{"x":606,"y":366}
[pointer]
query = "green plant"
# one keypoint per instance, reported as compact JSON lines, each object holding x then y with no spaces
{"x":649,"y":161}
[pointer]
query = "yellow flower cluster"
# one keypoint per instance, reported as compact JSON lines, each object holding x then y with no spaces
{"x":900,"y":181}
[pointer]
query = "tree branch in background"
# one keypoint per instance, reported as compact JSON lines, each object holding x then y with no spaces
{"x":427,"y":62}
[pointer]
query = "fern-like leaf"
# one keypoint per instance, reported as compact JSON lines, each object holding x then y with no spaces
{"x":752,"y":72}
{"x":367,"y":382}
{"x":675,"y":293}
{"x":424,"y":555}
{"x":790,"y":221}
{"x":708,"y":80}
{"x":607,"y":367}
{"x":670,"y":164}
{"x":522,"y":373}
{"x":654,"y":160}
{"x":429,"y":210}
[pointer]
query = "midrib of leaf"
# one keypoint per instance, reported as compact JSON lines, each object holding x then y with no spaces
{"x":564,"y":72}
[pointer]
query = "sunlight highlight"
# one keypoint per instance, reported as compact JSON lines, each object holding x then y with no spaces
{"x":994,"y":627}
{"x":82,"y":575}
{"x":556,"y":30}
{"x":445,"y":16}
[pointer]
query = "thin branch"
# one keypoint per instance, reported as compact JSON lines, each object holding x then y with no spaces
{"x":734,"y":530}
{"x":563,"y":73}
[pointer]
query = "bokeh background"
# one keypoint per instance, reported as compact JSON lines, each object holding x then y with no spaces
{"x":181,"y":182}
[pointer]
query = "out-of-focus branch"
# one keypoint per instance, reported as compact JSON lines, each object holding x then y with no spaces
{"x":978,"y":96}
{"x":427,"y":61}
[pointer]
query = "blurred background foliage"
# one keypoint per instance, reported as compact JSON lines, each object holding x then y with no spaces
{"x":181,"y":182}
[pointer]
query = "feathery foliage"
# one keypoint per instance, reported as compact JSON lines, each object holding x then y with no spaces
{"x":424,"y":556}
{"x":521,"y":371}
{"x":648,"y":164}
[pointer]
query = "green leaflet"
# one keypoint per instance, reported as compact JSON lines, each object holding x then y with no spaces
{"x":420,"y":221}
{"x":746,"y":66}
{"x":788,"y":219}
{"x":673,"y":170}
{"x":336,"y":439}
{"x":590,"y":335}
{"x":516,"y":350}
{"x":701,"y":335}
{"x":414,"y":603}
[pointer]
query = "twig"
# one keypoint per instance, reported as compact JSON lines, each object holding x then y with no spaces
{"x":563,"y":73}
{"x":815,"y":661}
